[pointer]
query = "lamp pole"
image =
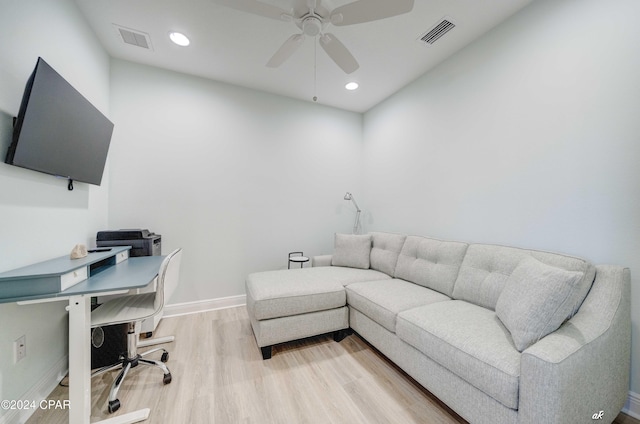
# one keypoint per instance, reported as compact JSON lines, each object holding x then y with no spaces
{"x":349,"y":196}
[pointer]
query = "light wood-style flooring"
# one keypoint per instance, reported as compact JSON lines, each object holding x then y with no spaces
{"x":219,"y":377}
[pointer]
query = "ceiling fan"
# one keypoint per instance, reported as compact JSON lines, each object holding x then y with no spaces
{"x":313,"y":17}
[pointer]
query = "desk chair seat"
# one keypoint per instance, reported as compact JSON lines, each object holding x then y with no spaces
{"x":132,"y":310}
{"x":124,"y":309}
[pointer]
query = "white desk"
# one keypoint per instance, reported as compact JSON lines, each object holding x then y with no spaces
{"x":112,"y":278}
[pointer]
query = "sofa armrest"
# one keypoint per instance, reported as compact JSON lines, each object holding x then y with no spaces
{"x":322,"y":260}
{"x":582,"y":369}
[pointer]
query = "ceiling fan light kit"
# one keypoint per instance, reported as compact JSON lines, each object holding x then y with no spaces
{"x":311,"y":25}
{"x":314,"y":21}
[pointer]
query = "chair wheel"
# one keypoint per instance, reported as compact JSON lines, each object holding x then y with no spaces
{"x":165,"y":357}
{"x":114,"y":405}
{"x":167,"y":378}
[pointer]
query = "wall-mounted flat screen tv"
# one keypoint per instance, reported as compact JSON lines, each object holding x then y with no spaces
{"x":58,"y":131}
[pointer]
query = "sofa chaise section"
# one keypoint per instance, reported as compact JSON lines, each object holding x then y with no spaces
{"x":286,"y":305}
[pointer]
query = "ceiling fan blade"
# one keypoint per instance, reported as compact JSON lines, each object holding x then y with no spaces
{"x":369,"y":10}
{"x":339,"y":53}
{"x":257,"y":8}
{"x":286,"y":50}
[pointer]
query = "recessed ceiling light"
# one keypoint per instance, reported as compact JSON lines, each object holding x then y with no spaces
{"x":179,"y":38}
{"x":351,"y":86}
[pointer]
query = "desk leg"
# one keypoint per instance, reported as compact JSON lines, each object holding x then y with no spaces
{"x":80,"y":367}
{"x":79,"y":359}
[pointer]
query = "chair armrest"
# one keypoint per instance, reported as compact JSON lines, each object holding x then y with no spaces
{"x":322,"y":260}
{"x":582,"y":368}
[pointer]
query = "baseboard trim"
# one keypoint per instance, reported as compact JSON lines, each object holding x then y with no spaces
{"x":40,"y":391}
{"x":187,"y":308}
{"x":632,"y":407}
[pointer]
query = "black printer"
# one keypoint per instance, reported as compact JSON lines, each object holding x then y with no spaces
{"x":142,"y":242}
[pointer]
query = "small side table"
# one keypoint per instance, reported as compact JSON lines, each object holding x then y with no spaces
{"x":297,"y":257}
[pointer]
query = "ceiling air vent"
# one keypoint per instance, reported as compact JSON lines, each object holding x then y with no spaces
{"x":436,"y":32}
{"x":134,"y":37}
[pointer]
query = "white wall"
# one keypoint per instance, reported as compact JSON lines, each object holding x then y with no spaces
{"x":39,"y":218}
{"x":530,"y":137}
{"x":235,"y":177}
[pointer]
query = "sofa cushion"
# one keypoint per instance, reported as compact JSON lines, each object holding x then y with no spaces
{"x":486,"y":268}
{"x":469,"y":341}
{"x":344,"y":275}
{"x":275,"y":294}
{"x":536,"y":300}
{"x":383,"y":300}
{"x":431,"y":263}
{"x":352,"y":250}
{"x":385,"y":249}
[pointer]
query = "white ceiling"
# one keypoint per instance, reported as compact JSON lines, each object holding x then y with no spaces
{"x":233,"y":46}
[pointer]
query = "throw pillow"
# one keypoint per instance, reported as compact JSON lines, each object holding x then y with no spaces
{"x":536,"y":300}
{"x":352,"y":250}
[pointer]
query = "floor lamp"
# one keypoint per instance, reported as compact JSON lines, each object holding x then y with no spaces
{"x":349,"y":196}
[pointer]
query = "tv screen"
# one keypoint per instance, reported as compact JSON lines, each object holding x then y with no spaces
{"x":58,"y":131}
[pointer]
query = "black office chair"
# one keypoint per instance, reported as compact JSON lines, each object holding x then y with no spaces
{"x":132,"y":309}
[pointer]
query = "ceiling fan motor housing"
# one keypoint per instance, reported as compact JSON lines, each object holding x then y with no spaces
{"x":311,"y":25}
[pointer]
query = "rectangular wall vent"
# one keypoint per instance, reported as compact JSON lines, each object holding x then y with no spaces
{"x":435,"y":33}
{"x":134,"y":37}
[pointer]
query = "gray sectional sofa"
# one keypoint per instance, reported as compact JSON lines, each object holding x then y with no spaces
{"x":500,"y":334}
